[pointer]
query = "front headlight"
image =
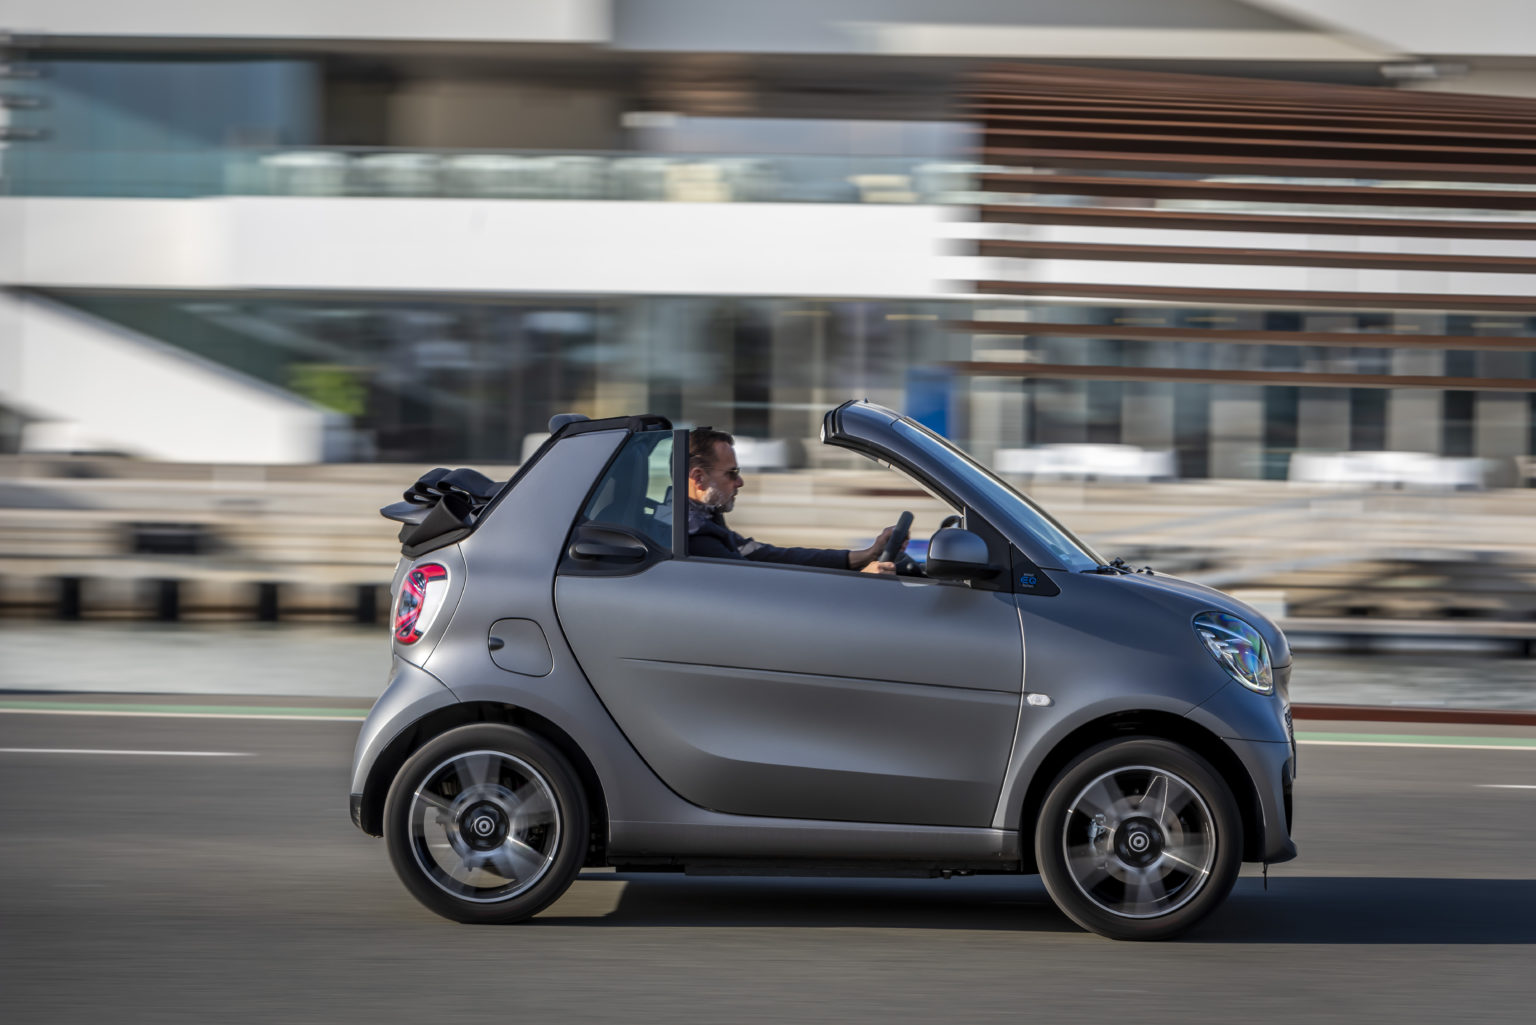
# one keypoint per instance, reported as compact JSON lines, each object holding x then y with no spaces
{"x":1239,"y":649}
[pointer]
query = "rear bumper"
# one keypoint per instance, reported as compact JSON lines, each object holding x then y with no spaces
{"x":411,"y":694}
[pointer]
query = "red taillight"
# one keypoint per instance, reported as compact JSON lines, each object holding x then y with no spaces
{"x":413,"y":600}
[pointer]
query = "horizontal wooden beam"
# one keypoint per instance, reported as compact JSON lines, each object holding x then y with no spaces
{"x":1025,"y":110}
{"x":1153,"y":86}
{"x":1276,"y":164}
{"x":1237,"y":128}
{"x":1336,"y":339}
{"x":1202,"y":139}
{"x":1220,"y":96}
{"x":1265,"y":297}
{"x":1258,"y":192}
{"x":1234,"y":220}
{"x":1129,"y":104}
{"x":1282,"y":378}
{"x":1024,"y":249}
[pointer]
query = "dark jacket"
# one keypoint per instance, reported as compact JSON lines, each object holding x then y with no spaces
{"x":709,"y":537}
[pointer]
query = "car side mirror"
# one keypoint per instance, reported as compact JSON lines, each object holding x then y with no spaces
{"x":593,"y":542}
{"x":955,"y":554}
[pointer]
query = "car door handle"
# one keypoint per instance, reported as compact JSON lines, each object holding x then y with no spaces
{"x":599,"y":550}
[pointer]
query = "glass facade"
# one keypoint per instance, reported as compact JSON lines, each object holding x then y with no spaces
{"x":208,"y":124}
{"x":471,"y":381}
{"x":155,"y":127}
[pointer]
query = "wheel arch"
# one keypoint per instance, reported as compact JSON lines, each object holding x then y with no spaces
{"x":438,"y":722}
{"x":1145,"y":723}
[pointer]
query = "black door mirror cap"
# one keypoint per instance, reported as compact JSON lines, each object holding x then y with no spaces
{"x":945,"y":569}
{"x":599,"y":550}
{"x":596,"y":541}
{"x":958,"y":554}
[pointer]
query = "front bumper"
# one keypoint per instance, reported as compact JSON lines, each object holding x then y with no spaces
{"x":1273,"y":772}
{"x":1256,"y":728}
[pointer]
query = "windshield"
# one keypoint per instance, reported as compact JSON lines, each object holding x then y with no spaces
{"x":1026,"y":517}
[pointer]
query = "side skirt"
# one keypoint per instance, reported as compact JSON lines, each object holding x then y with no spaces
{"x":835,"y":869}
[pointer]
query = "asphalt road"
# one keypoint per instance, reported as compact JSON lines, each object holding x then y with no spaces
{"x":232,"y":888}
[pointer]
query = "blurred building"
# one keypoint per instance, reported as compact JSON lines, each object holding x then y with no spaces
{"x":1232,"y":230}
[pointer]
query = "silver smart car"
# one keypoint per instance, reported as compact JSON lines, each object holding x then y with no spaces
{"x":570,"y":688}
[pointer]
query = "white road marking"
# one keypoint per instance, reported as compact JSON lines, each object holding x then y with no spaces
{"x":181,"y":715}
{"x":1509,"y":786}
{"x":96,"y":751}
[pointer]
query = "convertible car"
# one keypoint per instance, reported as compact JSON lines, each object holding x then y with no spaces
{"x":570,"y":688}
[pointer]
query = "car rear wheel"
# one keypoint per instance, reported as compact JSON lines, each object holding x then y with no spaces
{"x":486,"y":824}
{"x":1139,"y":839}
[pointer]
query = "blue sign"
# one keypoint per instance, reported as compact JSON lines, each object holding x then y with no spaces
{"x":928,"y":397}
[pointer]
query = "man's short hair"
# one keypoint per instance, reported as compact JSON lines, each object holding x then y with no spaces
{"x":701,"y":447}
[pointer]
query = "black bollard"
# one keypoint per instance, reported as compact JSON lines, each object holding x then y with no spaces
{"x":69,"y":598}
{"x":266,"y":602}
{"x":367,"y":609}
{"x":167,"y":600}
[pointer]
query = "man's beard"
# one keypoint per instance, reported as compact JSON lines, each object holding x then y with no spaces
{"x":718,"y":500}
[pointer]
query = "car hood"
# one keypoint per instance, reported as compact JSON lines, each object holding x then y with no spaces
{"x":1172,"y":592}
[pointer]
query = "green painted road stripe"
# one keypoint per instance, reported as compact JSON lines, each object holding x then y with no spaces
{"x":200,"y":711}
{"x":1413,"y":740}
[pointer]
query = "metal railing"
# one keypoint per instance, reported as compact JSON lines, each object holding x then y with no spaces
{"x":538,"y":175}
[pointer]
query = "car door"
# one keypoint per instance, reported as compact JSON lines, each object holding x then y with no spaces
{"x":766,"y":689}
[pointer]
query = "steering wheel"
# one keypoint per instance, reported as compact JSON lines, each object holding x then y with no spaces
{"x":892,"y":549}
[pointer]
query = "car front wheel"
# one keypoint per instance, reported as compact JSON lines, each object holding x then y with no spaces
{"x":1139,"y":839}
{"x":486,"y":824}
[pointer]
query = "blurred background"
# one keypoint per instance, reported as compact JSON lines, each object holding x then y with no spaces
{"x":1241,"y":289}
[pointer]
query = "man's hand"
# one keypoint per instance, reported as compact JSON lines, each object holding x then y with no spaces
{"x":863,"y":560}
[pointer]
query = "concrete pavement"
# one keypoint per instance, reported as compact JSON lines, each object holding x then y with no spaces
{"x":174,"y":889}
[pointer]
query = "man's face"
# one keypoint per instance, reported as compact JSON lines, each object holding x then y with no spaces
{"x":719,"y":482}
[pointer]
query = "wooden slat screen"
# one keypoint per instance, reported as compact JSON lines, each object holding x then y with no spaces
{"x":1079,"y":148}
{"x":1293,"y":299}
{"x":1326,"y":339}
{"x":1198,"y":375}
{"x":1255,"y":192}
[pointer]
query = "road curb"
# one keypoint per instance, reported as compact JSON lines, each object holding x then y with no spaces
{"x":1395,"y":713}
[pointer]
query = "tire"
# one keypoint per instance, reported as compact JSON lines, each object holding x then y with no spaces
{"x":486,"y":824}
{"x":1134,"y":874}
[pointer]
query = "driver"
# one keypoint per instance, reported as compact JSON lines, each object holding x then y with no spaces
{"x":713,"y":480}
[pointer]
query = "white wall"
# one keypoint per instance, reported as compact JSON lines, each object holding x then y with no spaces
{"x":462,"y":245}
{"x":1466,"y":27}
{"x":1483,"y":81}
{"x":542,"y":21}
{"x":163,"y":242}
{"x":610,"y":247}
{"x":1105,"y":43}
{"x":123,"y":392}
{"x":916,"y":26}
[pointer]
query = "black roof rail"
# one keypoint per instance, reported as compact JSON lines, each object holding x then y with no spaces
{"x":643,"y":422}
{"x":559,"y":420}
